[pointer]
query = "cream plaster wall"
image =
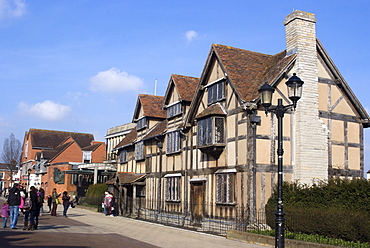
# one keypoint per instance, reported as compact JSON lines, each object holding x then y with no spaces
{"x":263,"y":151}
{"x":354,"y":158}
{"x":353,"y":132}
{"x":323,"y":97}
{"x":338,"y":157}
{"x":337,"y":130}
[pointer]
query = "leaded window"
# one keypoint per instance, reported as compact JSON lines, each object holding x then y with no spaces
{"x":225,"y":185}
{"x":141,"y":123}
{"x":123,"y":156}
{"x":173,"y":142}
{"x":211,"y":131}
{"x":139,"y":150}
{"x":174,"y":110}
{"x":215,"y":92}
{"x":173,"y":188}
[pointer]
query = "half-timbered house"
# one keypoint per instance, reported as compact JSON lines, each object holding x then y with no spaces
{"x":215,"y":149}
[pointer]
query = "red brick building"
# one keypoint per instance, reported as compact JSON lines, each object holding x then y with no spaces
{"x":50,"y":159}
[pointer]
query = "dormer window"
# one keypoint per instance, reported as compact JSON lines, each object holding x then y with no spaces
{"x":174,"y":109}
{"x":141,"y":123}
{"x":216,"y":91}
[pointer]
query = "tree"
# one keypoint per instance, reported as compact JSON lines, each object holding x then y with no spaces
{"x":11,"y":154}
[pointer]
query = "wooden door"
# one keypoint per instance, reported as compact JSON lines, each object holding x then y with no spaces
{"x":197,"y":202}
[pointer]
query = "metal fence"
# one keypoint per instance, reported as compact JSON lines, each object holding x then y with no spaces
{"x":214,"y":218}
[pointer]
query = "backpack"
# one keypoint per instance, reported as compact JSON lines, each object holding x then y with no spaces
{"x":27,"y":203}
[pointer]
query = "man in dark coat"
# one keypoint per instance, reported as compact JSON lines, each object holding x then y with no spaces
{"x":14,"y":200}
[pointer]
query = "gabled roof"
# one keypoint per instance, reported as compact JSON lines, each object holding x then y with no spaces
{"x":49,"y":139}
{"x":128,"y":140}
{"x":185,"y":85}
{"x":343,"y":85}
{"x":51,"y":154}
{"x":151,"y":106}
{"x":245,"y":71}
{"x":248,"y":70}
{"x":91,"y":147}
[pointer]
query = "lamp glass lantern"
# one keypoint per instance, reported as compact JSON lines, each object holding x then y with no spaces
{"x":294,"y":85}
{"x":266,"y":92}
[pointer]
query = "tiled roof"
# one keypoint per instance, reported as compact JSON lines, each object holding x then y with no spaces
{"x":159,"y":129}
{"x":126,"y":178}
{"x":152,"y":106}
{"x":6,"y":167}
{"x":129,"y":139}
{"x":249,"y":70}
{"x":51,"y":139}
{"x":51,"y":154}
{"x":91,"y":147}
{"x":215,"y":109}
{"x":186,"y":86}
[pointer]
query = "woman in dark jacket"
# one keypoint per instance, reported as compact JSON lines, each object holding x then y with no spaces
{"x":66,"y":203}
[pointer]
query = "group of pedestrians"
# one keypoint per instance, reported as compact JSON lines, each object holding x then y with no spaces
{"x":31,"y":205}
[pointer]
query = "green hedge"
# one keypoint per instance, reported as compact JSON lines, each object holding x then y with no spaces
{"x":97,"y":189}
{"x":336,"y":209}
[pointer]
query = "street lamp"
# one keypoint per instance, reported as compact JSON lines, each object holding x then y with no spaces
{"x":294,"y":85}
{"x":29,"y":179}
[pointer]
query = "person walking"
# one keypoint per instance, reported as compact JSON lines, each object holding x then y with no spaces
{"x":14,"y":200}
{"x":25,"y":208}
{"x":55,"y":202}
{"x":35,"y":208}
{"x":41,"y":193}
{"x":5,"y":212}
{"x":66,"y":203}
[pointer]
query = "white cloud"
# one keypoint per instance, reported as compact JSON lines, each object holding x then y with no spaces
{"x":47,"y":110}
{"x":191,"y":35}
{"x":12,"y":8}
{"x":114,"y":80}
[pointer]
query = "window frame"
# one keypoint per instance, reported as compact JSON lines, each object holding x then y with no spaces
{"x":174,"y":109}
{"x":139,"y":150}
{"x":86,"y":157}
{"x":173,"y":142}
{"x":123,"y":156}
{"x":211,"y":131}
{"x":173,"y":188}
{"x":225,"y":188}
{"x":141,"y":123}
{"x":216,"y":91}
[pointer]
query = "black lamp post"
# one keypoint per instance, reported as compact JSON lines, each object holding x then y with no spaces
{"x":294,"y":85}
{"x":29,"y":179}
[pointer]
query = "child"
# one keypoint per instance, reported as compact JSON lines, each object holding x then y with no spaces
{"x":5,"y":213}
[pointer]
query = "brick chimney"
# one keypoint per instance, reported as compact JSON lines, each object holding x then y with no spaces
{"x":309,"y":145}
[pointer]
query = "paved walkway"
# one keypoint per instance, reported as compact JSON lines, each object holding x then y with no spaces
{"x":86,"y":223}
{"x":155,"y":234}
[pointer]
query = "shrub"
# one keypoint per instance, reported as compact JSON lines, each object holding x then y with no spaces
{"x":97,"y":189}
{"x":336,"y":209}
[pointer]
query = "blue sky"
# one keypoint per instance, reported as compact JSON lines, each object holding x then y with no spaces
{"x":79,"y":65}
